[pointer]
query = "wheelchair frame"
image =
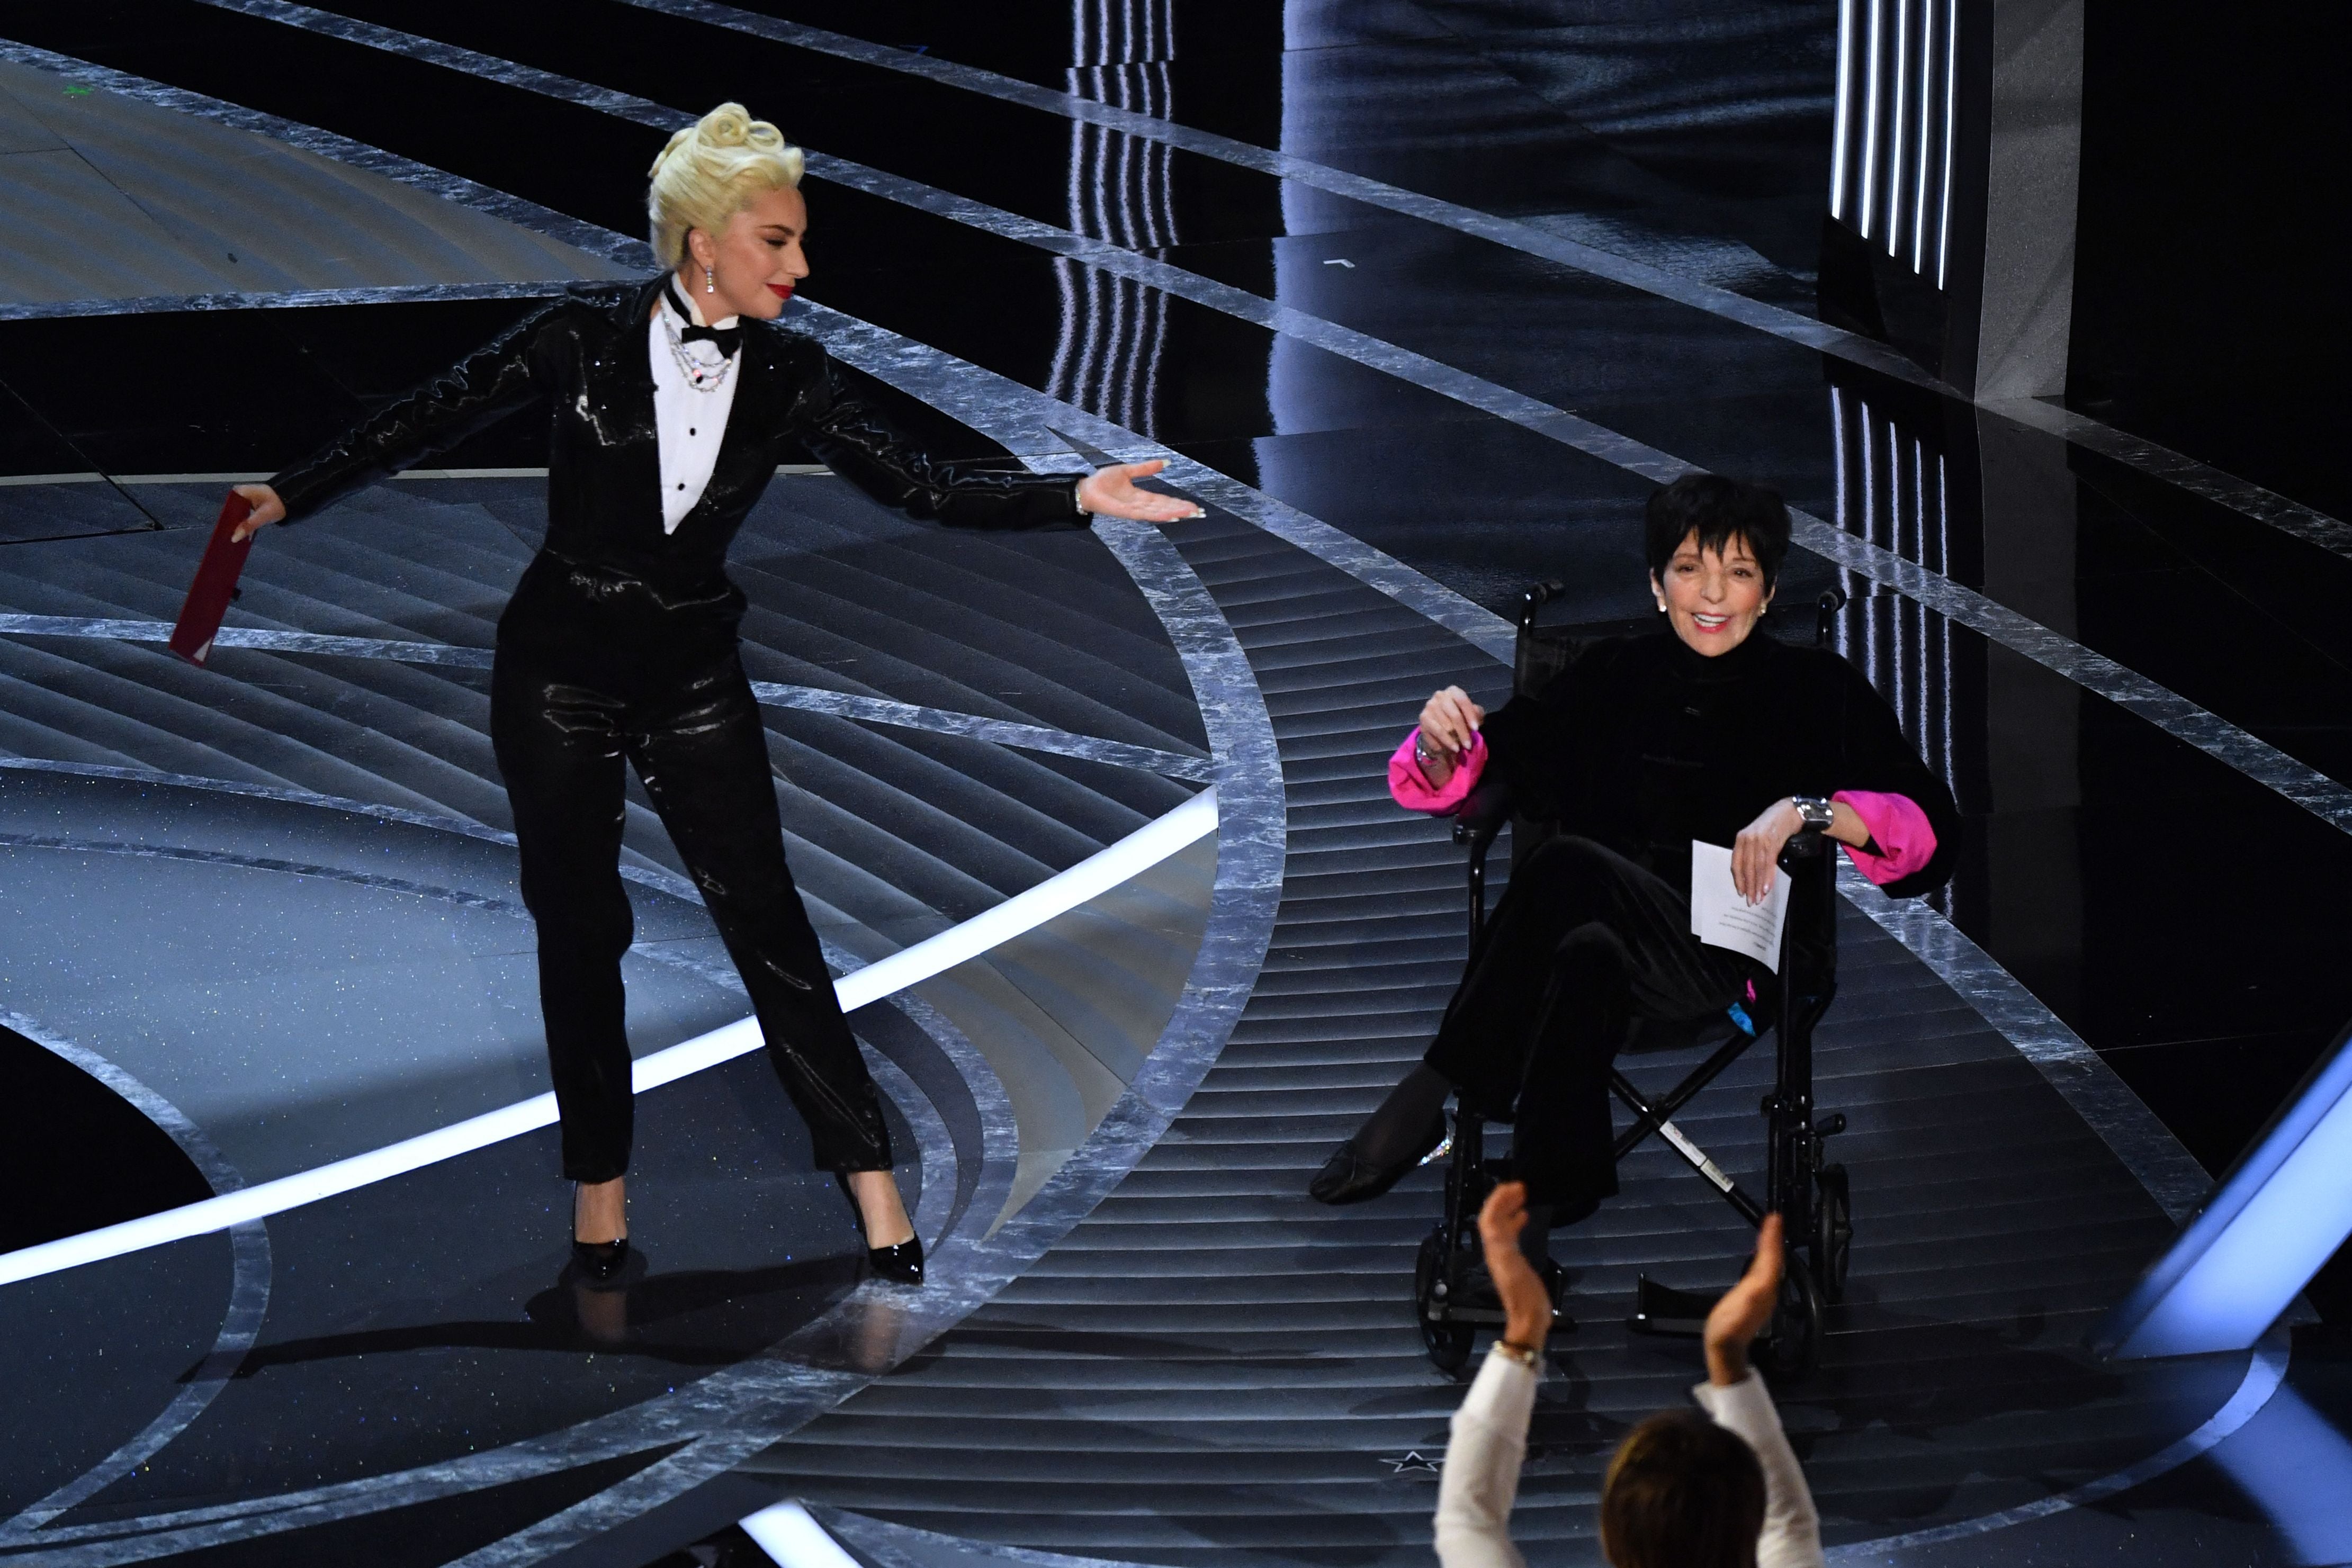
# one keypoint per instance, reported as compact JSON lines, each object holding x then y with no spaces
{"x":1811,"y":1194}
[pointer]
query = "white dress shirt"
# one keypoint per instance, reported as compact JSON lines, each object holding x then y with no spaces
{"x":1481,"y":1479}
{"x":689,"y":420}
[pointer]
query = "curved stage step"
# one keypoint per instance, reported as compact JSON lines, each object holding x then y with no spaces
{"x":1213,"y":1368}
{"x":895,"y":833}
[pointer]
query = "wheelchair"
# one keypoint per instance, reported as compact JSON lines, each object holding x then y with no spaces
{"x":1810,"y":1194}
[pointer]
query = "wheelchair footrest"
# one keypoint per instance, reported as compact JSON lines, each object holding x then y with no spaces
{"x":1492,"y":1318}
{"x":1475,"y":1317}
{"x":1663,"y":1310}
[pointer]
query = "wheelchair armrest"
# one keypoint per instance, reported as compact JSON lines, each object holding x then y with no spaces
{"x":1484,"y":812}
{"x":1802,"y":848}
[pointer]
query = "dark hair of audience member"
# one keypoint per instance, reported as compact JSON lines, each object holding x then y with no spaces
{"x":1682,"y":1492}
{"x":1721,"y":510}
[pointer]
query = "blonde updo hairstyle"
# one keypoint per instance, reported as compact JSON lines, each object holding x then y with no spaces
{"x":712,"y":171}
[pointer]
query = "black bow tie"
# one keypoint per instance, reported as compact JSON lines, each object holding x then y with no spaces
{"x":729,"y":339}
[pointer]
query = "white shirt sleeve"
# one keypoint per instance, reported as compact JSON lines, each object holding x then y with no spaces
{"x":1481,"y":1477}
{"x":1792,"y":1531}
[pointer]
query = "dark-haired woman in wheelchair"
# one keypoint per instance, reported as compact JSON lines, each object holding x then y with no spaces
{"x":1705,"y":730}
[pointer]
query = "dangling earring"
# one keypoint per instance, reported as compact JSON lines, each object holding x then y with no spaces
{"x":709,"y":281}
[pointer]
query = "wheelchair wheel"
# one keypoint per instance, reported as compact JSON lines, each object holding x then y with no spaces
{"x":1791,"y":1345}
{"x":1448,"y":1344}
{"x":1832,"y":1232}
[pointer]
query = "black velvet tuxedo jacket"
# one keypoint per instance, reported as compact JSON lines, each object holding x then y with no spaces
{"x":585,"y":354}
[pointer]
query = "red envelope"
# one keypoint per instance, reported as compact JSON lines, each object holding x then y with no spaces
{"x":215,"y":583}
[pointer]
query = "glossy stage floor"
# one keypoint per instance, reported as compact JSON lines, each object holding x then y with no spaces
{"x":1419,"y":300}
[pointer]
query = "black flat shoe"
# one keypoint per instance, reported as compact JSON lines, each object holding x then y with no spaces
{"x":1348,"y":1177}
{"x":901,"y":1265}
{"x":600,"y":1261}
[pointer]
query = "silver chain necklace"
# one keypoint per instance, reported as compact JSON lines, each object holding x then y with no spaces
{"x":701,"y":377}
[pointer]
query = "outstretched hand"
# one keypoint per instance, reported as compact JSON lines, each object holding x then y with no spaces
{"x":267,"y":509}
{"x":1744,"y":1309}
{"x":1111,"y":493}
{"x":1526,"y":1305}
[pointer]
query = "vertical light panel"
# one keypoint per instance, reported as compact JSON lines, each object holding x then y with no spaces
{"x":2282,"y":1211}
{"x":1891,"y":135}
{"x":1870,"y":119}
{"x":1923,"y":176}
{"x":1952,"y":101}
{"x":1843,"y":110}
{"x":1901,"y":119}
{"x":1884,"y":494}
{"x":1107,"y":354}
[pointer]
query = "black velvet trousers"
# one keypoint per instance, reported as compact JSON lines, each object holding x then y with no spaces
{"x":701,"y":752}
{"x":1583,"y":942}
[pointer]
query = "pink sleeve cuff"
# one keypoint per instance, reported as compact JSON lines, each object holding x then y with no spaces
{"x":1415,"y":793}
{"x":1906,"y":842}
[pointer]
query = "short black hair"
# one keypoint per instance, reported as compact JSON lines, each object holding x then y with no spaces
{"x":1720,"y":511}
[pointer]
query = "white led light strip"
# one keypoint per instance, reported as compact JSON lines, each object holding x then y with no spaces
{"x":792,"y":1539}
{"x":1139,"y":851}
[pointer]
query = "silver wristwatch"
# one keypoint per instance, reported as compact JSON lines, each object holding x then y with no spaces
{"x":1815,"y":811}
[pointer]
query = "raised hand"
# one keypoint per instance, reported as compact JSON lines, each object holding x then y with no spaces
{"x":267,"y":508}
{"x":1449,"y":720}
{"x":1111,"y":493}
{"x":1744,"y":1309}
{"x":1526,"y":1305}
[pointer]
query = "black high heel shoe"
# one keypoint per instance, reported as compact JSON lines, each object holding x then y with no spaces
{"x":600,"y":1261}
{"x":902,"y":1264}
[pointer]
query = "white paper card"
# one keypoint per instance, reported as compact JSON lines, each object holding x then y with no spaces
{"x":1720,"y":917}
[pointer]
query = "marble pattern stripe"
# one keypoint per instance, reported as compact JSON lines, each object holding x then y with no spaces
{"x":2266,"y":1370}
{"x":1391,"y":596}
{"x":709,"y":1407}
{"x":2144,"y":1146}
{"x":592,"y":238}
{"x":736,"y":1412}
{"x":248,"y":1294}
{"x":2306,"y":786}
{"x":1212,"y":1367}
{"x":772,"y":694}
{"x":286,"y":299}
{"x":750,"y":1405}
{"x":2299,"y":782}
{"x":1723,"y":302}
{"x":1248,"y":877}
{"x":1363,"y":561}
{"x":2240,"y":495}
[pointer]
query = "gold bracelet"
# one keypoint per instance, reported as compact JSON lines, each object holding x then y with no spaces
{"x":1531,"y":1359}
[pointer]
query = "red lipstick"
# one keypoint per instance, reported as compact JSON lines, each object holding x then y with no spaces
{"x":780,"y":290}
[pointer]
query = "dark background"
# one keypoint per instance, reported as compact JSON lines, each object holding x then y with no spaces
{"x":2209,"y":299}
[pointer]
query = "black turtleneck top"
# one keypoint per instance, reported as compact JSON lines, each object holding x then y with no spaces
{"x":1643,"y":745}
